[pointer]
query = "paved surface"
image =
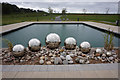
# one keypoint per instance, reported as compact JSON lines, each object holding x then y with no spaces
{"x":58,"y":18}
{"x":61,"y":71}
{"x":10,"y":27}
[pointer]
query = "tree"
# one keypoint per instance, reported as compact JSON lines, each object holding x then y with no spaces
{"x":50,"y":10}
{"x":107,"y":10}
{"x":64,"y":11}
{"x":84,"y":10}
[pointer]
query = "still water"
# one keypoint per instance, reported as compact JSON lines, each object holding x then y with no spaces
{"x":80,"y":32}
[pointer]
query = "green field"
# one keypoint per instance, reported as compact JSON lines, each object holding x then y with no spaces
{"x":15,"y":18}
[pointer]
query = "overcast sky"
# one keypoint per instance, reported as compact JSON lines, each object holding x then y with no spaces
{"x":72,"y":6}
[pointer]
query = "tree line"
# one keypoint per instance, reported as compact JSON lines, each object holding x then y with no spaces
{"x":11,"y":8}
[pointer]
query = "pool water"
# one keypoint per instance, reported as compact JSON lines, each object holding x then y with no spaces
{"x":80,"y":32}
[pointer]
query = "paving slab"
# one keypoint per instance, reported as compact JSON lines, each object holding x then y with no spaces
{"x":102,"y":26}
{"x":62,"y":71}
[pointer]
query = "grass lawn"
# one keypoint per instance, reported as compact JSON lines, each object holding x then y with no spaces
{"x":109,"y":19}
{"x":15,"y":18}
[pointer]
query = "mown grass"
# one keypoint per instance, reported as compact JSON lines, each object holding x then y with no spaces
{"x":109,"y":18}
{"x":15,"y":18}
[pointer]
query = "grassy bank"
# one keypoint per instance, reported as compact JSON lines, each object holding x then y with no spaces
{"x":15,"y":18}
{"x":103,"y":18}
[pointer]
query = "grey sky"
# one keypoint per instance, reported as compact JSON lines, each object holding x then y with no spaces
{"x":72,"y":6}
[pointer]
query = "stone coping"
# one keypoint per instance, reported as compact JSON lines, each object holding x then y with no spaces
{"x":61,"y":68}
{"x":101,"y":26}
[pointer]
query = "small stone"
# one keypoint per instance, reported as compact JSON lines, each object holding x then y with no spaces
{"x":61,"y":50}
{"x":5,"y":60}
{"x":54,"y":55}
{"x":28,"y":57}
{"x":16,"y":61}
{"x":77,"y":60}
{"x":80,"y":57}
{"x":21,"y":61}
{"x":103,"y":55}
{"x":98,"y":50}
{"x":72,"y":55}
{"x":65,"y":62}
{"x":59,"y":60}
{"x":46,"y":58}
{"x":42,"y":57}
{"x":68,"y":58}
{"x":97,"y":54}
{"x":52,"y":60}
{"x":48,"y":62}
{"x":111,"y":58}
{"x":109,"y":53}
{"x":116,"y":60}
{"x":88,"y":62}
{"x":41,"y":61}
{"x":63,"y":54}
{"x":50,"y":55}
{"x":80,"y":53}
{"x":9,"y":54}
{"x":103,"y":60}
{"x":56,"y":61}
{"x":115,"y":56}
{"x":62,"y":57}
{"x":39,"y":54}
{"x":83,"y":55}
{"x":70,"y":62}
{"x":81,"y":61}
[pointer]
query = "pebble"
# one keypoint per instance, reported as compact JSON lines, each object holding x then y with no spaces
{"x":54,"y":55}
{"x":52,"y":61}
{"x":42,"y":57}
{"x":109,"y":53}
{"x":77,"y":60}
{"x":111,"y":58}
{"x":50,"y":55}
{"x":80,"y":57}
{"x":46,"y":58}
{"x":21,"y":61}
{"x":28,"y":57}
{"x":41,"y":61}
{"x":81,"y":61}
{"x":59,"y":60}
{"x":68,"y":58}
{"x":88,"y":62}
{"x":98,"y":50}
{"x":79,"y":53}
{"x":61,"y":50}
{"x":62,"y":57}
{"x":114,"y":56}
{"x":56,"y":61}
{"x":103,"y":55}
{"x":72,"y":55}
{"x":70,"y":62}
{"x":48,"y":62}
{"x":83,"y":55}
{"x":63,"y":54}
{"x":65,"y":62}
{"x":39,"y":54}
{"x":97,"y":54}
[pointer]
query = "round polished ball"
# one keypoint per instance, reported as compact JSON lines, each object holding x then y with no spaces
{"x":34,"y":44}
{"x":85,"y":46}
{"x":70,"y":43}
{"x":53,"y":40}
{"x":18,"y":50}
